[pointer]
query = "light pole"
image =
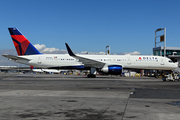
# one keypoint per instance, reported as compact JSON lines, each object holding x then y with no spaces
{"x":107,"y":50}
{"x":162,"y":38}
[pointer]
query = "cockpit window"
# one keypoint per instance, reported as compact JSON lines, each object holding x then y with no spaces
{"x":170,"y":61}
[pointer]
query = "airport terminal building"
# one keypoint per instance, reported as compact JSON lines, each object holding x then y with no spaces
{"x":159,"y":51}
{"x":171,"y":52}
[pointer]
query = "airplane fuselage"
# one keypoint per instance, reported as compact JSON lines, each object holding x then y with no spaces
{"x":126,"y":61}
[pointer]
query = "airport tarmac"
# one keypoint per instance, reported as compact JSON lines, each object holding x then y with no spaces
{"x":72,"y":97}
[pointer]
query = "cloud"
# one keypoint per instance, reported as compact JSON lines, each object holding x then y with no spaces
{"x":43,"y":49}
{"x":134,"y":53}
{"x":4,"y":61}
{"x":40,"y":47}
{"x":92,"y":53}
{"x":8,"y":51}
{"x":131,"y":53}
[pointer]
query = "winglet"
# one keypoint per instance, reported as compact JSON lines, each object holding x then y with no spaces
{"x":69,"y":50}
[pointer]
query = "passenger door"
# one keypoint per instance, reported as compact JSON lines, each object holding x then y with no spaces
{"x":39,"y":60}
{"x":162,"y":61}
{"x":128,"y":60}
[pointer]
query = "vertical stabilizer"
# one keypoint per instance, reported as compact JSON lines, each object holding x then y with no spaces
{"x":22,"y":45}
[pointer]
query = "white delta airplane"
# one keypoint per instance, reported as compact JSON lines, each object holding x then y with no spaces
{"x":108,"y":64}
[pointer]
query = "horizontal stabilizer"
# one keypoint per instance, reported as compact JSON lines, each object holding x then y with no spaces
{"x":15,"y":58}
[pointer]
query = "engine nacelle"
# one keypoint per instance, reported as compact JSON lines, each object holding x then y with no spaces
{"x":112,"y":69}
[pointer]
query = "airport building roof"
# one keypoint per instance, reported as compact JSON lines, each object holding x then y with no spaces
{"x":167,"y":48}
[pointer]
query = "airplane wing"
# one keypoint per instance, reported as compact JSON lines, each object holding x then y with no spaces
{"x":15,"y":58}
{"x":86,"y":61}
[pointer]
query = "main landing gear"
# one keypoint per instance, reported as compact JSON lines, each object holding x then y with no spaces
{"x":91,"y":75}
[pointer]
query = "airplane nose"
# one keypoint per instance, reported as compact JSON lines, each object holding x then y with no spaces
{"x":176,"y":64}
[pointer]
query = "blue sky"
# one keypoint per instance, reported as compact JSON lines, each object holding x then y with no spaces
{"x":90,"y":25}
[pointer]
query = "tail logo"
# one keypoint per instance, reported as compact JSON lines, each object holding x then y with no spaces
{"x":22,"y":45}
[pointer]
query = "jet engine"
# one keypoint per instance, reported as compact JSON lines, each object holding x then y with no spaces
{"x":112,"y":69}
